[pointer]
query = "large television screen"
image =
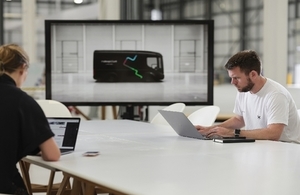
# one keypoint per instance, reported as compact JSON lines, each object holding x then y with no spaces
{"x":126,"y":62}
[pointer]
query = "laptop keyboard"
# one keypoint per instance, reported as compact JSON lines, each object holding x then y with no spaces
{"x":65,"y":151}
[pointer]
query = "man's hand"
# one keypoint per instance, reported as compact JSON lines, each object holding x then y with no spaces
{"x":215,"y":131}
{"x":204,"y":130}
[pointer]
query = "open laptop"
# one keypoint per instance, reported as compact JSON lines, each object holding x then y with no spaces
{"x":66,"y":131}
{"x":181,"y":124}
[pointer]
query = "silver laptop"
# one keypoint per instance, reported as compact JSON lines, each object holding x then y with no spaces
{"x":181,"y":124}
{"x":66,"y":131}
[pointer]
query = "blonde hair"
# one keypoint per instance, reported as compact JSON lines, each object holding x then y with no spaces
{"x":12,"y":57}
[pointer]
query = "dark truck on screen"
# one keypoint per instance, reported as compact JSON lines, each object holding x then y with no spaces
{"x":128,"y":66}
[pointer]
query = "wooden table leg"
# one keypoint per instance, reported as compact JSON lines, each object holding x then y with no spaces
{"x":89,"y":189}
{"x":63,"y":184}
{"x":103,"y":112}
{"x":77,"y":187}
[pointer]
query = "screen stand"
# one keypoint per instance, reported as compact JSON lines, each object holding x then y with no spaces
{"x":131,"y":112}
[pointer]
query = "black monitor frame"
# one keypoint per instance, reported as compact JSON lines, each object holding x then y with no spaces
{"x":209,"y":27}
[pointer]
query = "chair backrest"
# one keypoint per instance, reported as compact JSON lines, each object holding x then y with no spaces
{"x":159,"y":119}
{"x":53,"y":108}
{"x":204,"y":116}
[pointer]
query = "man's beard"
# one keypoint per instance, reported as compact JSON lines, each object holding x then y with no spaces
{"x":248,"y":87}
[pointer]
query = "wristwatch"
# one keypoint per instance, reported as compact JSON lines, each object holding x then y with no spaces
{"x":237,"y":132}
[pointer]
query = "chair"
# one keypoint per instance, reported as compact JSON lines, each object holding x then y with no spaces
{"x":51,"y":108}
{"x":204,"y":116}
{"x":159,"y":119}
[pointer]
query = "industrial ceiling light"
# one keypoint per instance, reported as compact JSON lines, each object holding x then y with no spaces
{"x":156,"y":14}
{"x":78,"y":1}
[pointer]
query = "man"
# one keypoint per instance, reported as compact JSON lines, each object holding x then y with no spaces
{"x":264,"y":108}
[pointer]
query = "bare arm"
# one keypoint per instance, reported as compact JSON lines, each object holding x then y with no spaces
{"x":50,"y":150}
{"x":234,"y":122}
{"x":226,"y":129}
{"x":271,"y":132}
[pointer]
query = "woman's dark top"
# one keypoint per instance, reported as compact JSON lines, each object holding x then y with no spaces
{"x":23,"y":127}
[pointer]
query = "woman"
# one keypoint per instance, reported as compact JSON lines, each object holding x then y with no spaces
{"x":24,"y":129}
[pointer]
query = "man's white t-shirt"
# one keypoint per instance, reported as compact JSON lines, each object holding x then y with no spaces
{"x":273,"y":104}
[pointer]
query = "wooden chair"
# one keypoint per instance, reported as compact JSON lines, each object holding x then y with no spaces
{"x":51,"y":108}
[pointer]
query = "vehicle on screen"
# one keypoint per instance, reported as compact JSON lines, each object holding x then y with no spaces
{"x":128,"y":66}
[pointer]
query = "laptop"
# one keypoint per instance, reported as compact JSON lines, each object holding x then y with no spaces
{"x":181,"y":124}
{"x":66,"y":131}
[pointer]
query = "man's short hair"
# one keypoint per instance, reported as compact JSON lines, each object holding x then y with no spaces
{"x":246,"y":60}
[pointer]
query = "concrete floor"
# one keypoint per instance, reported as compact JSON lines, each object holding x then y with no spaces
{"x":185,"y":87}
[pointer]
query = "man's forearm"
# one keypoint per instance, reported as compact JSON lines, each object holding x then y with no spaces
{"x":272,"y":132}
{"x":232,"y":123}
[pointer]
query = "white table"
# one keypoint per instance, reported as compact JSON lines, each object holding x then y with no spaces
{"x":147,"y":159}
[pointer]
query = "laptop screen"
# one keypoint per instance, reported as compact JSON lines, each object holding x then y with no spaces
{"x":65,"y":130}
